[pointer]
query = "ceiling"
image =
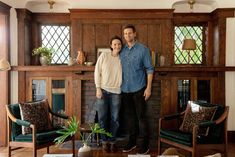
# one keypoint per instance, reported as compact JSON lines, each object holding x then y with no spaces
{"x":178,"y":5}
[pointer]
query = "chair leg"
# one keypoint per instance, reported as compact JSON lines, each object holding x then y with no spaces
{"x":48,"y":150}
{"x":159,"y":146}
{"x":226,"y":150}
{"x":193,"y":153}
{"x":34,"y":152}
{"x":9,"y":151}
{"x":73,"y":145}
{"x":97,"y":139}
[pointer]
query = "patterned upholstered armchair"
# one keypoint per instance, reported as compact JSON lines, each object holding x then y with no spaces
{"x":29,"y":125}
{"x":207,"y":127}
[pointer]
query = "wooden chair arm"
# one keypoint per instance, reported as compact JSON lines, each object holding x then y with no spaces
{"x":15,"y":120}
{"x":58,"y":114}
{"x":223,"y":117}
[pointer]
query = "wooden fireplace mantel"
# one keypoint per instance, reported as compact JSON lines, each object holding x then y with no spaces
{"x":65,"y":68}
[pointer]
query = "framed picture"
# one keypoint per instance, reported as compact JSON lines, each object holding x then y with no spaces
{"x":102,"y":50}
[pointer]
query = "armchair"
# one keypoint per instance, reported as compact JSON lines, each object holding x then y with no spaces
{"x":192,"y":141}
{"x":36,"y":139}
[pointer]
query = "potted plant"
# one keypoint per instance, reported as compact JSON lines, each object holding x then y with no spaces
{"x":44,"y":53}
{"x":73,"y":128}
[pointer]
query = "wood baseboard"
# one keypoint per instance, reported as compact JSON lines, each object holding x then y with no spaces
{"x":231,"y":136}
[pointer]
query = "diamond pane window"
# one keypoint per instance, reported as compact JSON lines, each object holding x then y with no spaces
{"x":188,"y":56}
{"x":58,"y":38}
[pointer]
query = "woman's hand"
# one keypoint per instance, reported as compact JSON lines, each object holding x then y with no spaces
{"x":99,"y":93}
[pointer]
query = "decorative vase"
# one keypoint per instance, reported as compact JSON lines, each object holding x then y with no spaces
{"x":43,"y":60}
{"x":85,"y":151}
{"x":71,"y":61}
{"x":162,"y":60}
{"x":81,"y":57}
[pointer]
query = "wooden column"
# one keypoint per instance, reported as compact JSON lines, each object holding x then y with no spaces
{"x":4,"y":75}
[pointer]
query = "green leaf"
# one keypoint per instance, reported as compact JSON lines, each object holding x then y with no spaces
{"x":73,"y":128}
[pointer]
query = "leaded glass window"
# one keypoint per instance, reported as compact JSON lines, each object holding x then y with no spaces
{"x":58,"y":38}
{"x":188,"y":56}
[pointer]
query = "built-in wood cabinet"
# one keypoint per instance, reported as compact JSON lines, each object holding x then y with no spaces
{"x":193,"y":88}
{"x":93,"y":28}
{"x":55,"y":87}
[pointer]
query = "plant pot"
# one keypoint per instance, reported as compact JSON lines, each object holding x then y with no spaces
{"x":85,"y":151}
{"x":43,"y":60}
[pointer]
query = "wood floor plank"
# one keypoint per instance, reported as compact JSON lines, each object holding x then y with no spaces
{"x":26,"y":152}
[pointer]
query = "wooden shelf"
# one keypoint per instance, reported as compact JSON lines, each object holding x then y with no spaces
{"x":195,"y":69}
{"x":76,"y":68}
{"x":54,"y":68}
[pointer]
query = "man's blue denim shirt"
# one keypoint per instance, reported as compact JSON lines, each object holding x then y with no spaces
{"x":136,"y":61}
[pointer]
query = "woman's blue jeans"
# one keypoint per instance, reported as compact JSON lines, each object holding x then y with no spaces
{"x":108,"y":113}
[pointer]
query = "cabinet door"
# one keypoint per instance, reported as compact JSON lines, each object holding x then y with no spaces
{"x":184,"y":93}
{"x":58,"y":94}
{"x":193,"y":89}
{"x":38,"y":88}
{"x":55,"y":89}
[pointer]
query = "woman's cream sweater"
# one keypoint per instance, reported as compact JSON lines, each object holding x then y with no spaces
{"x":108,"y":73}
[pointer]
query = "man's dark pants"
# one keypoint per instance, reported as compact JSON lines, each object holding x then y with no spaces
{"x":136,"y":108}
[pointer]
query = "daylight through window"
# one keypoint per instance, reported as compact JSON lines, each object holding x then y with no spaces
{"x":58,"y":38}
{"x":192,"y":56}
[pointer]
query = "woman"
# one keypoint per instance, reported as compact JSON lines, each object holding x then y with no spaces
{"x":108,"y":79}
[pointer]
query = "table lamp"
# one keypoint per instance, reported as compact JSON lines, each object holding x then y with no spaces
{"x":189,"y":44}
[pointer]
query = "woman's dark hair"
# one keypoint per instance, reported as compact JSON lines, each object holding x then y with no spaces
{"x":114,"y":38}
{"x":131,"y":27}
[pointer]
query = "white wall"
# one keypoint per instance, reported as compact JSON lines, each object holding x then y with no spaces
{"x":230,"y":76}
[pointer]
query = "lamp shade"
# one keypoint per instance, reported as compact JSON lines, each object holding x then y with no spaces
{"x":189,"y":44}
{"x":4,"y":65}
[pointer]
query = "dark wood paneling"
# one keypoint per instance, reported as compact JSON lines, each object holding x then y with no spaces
{"x":154,"y":37}
{"x":121,"y":13}
{"x":52,"y":18}
{"x":93,"y":28}
{"x":219,"y":33}
{"x":142,"y":33}
{"x":4,"y":8}
{"x":89,"y":41}
{"x":115,"y":29}
{"x":101,"y":35}
{"x":191,"y":18}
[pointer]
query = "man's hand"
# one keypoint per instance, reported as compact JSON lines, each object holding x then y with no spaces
{"x":147,"y":93}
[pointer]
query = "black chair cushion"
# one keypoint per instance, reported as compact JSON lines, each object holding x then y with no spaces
{"x":43,"y":137}
{"x":177,"y":136}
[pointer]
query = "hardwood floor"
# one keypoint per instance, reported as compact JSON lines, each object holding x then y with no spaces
{"x":25,"y":152}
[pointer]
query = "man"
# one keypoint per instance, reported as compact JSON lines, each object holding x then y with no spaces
{"x":136,"y":62}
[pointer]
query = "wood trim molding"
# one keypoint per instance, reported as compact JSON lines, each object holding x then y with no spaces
{"x":58,"y":68}
{"x":121,"y":13}
{"x":223,"y":13}
{"x":191,"y":18}
{"x":4,"y":75}
{"x":4,"y":8}
{"x":231,"y":136}
{"x":80,"y":68}
{"x":55,"y":18}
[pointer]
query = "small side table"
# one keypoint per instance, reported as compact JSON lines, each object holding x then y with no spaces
{"x":58,"y":155}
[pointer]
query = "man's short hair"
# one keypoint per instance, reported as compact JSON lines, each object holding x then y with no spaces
{"x":130,"y":26}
